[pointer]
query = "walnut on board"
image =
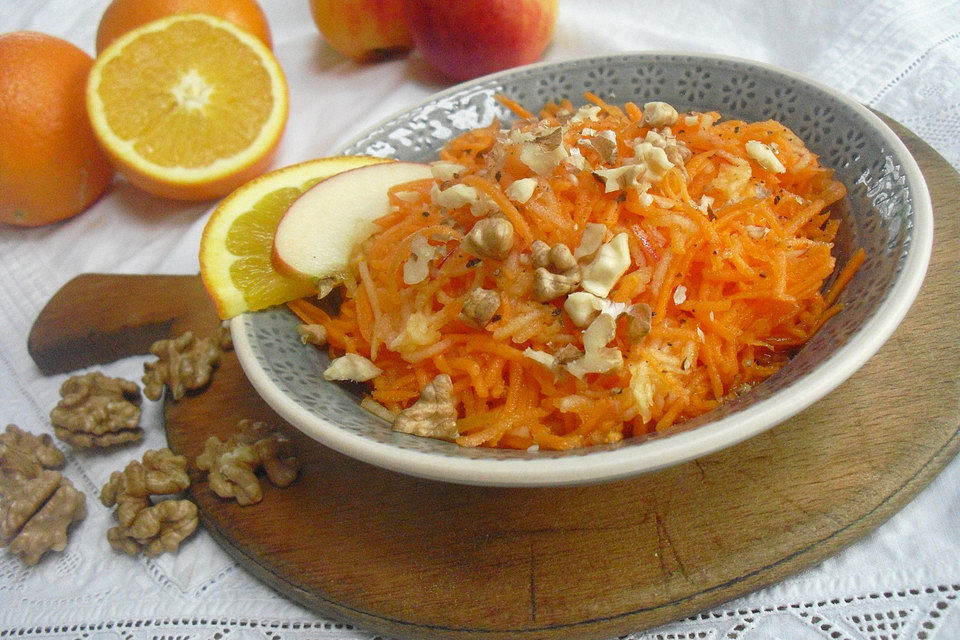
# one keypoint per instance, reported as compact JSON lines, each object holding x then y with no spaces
{"x":232,"y":465}
{"x":185,"y":363}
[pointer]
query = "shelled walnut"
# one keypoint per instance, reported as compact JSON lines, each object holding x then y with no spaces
{"x":184,"y":364}
{"x":97,"y":411}
{"x":38,"y":449}
{"x":144,"y":525}
{"x":233,"y":465}
{"x":434,"y":414}
{"x":37,"y":504}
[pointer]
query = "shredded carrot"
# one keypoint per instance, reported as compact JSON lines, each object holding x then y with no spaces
{"x":729,"y":258}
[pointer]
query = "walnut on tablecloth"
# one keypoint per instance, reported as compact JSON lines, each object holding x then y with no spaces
{"x":184,"y":363}
{"x":233,"y":465}
{"x":37,"y":504}
{"x":145,"y":526}
{"x":97,"y":411}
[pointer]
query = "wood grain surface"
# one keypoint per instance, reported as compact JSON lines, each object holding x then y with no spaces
{"x":414,"y":558}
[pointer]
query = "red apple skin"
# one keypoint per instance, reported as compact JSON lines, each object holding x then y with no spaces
{"x":364,"y":30}
{"x":464,"y":39}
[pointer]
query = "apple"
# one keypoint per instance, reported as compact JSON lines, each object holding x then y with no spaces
{"x":317,"y":233}
{"x":365,"y":30}
{"x":464,"y":39}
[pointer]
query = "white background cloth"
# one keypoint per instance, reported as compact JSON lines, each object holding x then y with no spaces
{"x":901,"y":581}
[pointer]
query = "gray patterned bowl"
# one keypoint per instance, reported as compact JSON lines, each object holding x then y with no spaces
{"x":887,"y":212}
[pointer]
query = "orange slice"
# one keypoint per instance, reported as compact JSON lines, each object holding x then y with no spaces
{"x":237,"y":241}
{"x":189,"y":106}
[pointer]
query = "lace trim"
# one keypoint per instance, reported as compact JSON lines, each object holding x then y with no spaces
{"x":927,"y":613}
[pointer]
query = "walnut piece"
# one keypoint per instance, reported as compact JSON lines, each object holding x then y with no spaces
{"x":548,"y":285}
{"x":315,"y":334}
{"x":97,"y":411}
{"x":489,"y":238}
{"x":434,"y":414}
{"x":351,"y":366}
{"x":144,"y":526}
{"x":639,"y":319}
{"x":39,"y":450}
{"x":479,"y":307}
{"x":185,"y":363}
{"x":233,"y":465}
{"x":556,"y":271}
{"x":659,"y":114}
{"x":37,"y":504}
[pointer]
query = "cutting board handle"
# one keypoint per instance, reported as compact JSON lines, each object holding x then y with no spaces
{"x":97,"y":318}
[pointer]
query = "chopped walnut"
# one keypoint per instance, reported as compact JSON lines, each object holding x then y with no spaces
{"x":37,"y":504}
{"x":446,"y":171}
{"x":620,"y":178}
{"x":185,"y":363}
{"x":479,"y":307}
{"x":489,"y":238}
{"x":351,"y":366}
{"x":454,"y":196}
{"x":677,"y":152}
{"x":659,"y":114}
{"x":557,"y":360}
{"x":639,"y":317}
{"x":144,"y":526}
{"x":544,"y":151}
{"x":548,"y":285}
{"x":557,"y":258}
{"x":556,"y":271}
{"x":232,"y":465}
{"x":521,"y":190}
{"x":97,"y":411}
{"x":315,"y":334}
{"x":605,"y":144}
{"x":434,"y":414}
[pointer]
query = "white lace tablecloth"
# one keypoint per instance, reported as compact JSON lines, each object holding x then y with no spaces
{"x":902,"y":581}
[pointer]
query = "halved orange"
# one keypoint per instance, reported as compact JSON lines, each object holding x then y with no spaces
{"x":237,"y":241}
{"x":189,"y":106}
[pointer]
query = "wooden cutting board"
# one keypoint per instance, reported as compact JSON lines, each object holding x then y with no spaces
{"x":413,"y":558}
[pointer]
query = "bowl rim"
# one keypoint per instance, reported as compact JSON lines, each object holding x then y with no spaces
{"x":656,"y":453}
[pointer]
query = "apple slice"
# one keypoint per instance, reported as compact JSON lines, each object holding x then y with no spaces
{"x":317,"y":233}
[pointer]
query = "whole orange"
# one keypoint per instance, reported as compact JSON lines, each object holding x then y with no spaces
{"x":123,"y":15}
{"x":51,"y":166}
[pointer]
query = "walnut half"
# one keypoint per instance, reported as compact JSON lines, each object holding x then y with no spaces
{"x":144,"y":526}
{"x":37,"y":504}
{"x":97,"y":411}
{"x":184,"y":364}
{"x":233,"y":465}
{"x":434,"y":414}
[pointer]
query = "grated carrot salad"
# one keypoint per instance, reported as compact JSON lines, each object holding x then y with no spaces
{"x":729,"y":249}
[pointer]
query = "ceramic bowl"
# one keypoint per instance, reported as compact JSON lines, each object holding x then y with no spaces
{"x":887,"y":212}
